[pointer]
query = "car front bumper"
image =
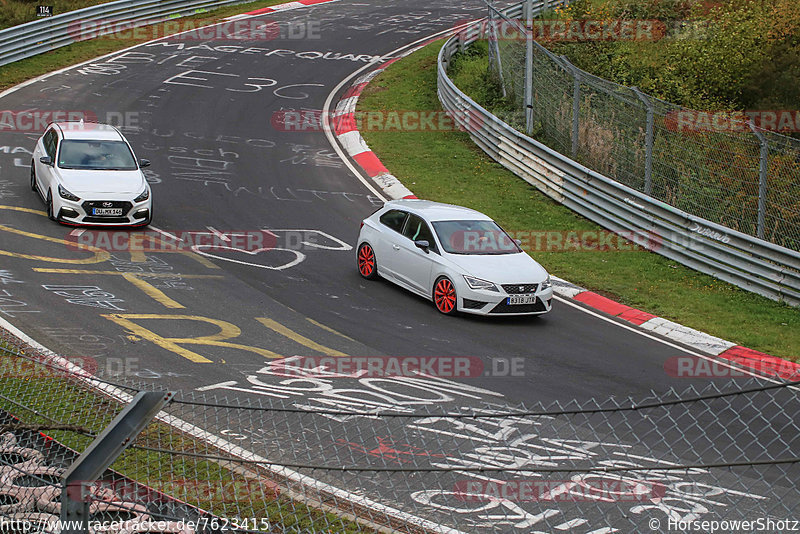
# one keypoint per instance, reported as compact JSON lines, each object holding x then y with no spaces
{"x":483,"y":302}
{"x":81,"y":213}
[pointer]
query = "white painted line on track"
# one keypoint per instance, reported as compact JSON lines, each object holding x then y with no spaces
{"x":217,"y":233}
{"x":715,"y":361}
{"x":162,"y":232}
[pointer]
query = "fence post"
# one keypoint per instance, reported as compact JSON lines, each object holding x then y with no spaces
{"x":489,"y":35}
{"x":101,"y":453}
{"x":576,"y":102}
{"x":494,"y":48}
{"x":648,"y":142}
{"x":529,"y":68}
{"x":763,"y":158}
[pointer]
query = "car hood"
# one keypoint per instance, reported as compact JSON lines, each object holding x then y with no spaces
{"x":501,"y":268}
{"x":82,"y":181}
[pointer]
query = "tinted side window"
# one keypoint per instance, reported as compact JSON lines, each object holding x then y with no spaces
{"x":394,"y":219}
{"x":49,"y":142}
{"x":417,"y":230}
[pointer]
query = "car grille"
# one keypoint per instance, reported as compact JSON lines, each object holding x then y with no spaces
{"x":518,"y":289}
{"x":89,"y":204}
{"x":519,"y":308}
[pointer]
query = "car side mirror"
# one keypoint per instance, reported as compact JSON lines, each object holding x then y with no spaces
{"x":423,"y":244}
{"x":518,"y":242}
{"x":47,"y":160}
{"x":144,"y":163}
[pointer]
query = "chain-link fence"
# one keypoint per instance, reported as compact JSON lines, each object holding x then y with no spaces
{"x":735,"y":174}
{"x":354,"y":462}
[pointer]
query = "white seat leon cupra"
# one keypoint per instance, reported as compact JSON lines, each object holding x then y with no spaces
{"x":457,"y":257}
{"x":87,"y":174}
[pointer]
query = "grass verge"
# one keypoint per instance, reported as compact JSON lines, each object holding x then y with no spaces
{"x":19,"y":71}
{"x":449,"y":167}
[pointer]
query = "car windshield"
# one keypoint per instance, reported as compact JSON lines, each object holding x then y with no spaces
{"x":474,"y":237}
{"x":96,"y":155}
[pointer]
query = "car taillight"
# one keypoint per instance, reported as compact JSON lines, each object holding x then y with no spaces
{"x":361,"y":226}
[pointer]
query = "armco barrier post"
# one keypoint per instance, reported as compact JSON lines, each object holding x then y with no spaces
{"x":102,"y":452}
{"x":762,"y":178}
{"x":648,"y":141}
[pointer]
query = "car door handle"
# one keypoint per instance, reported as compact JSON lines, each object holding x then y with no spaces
{"x":396,"y":247}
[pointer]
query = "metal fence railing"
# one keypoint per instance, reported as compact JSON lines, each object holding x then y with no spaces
{"x":39,"y":36}
{"x":353,"y":461}
{"x":612,"y":154}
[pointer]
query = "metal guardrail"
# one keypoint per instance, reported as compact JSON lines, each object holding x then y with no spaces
{"x":39,"y":36}
{"x":748,"y":262}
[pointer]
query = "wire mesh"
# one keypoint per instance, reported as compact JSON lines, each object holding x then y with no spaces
{"x":714,"y":173}
{"x":211,"y":462}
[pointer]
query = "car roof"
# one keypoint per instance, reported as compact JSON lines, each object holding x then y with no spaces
{"x":437,"y":211}
{"x":88,"y":130}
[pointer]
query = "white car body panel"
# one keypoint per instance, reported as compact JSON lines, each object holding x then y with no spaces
{"x":103,"y":182}
{"x":93,"y":186}
{"x":400,"y":261}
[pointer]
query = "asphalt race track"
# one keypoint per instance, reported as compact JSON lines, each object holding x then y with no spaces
{"x":203,"y":113}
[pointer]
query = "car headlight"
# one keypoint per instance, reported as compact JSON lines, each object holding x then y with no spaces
{"x":546,"y":284}
{"x":143,"y":196}
{"x":63,"y":193}
{"x":477,"y":283}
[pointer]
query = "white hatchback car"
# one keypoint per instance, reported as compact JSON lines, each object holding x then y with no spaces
{"x":87,"y":174}
{"x":457,"y":257}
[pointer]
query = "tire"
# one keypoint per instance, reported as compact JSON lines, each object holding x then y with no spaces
{"x":33,"y":177}
{"x":444,"y":296}
{"x":49,"y":203}
{"x":367,"y":264}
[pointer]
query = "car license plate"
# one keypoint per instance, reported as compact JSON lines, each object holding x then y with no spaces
{"x":110,"y":212}
{"x":521,"y":299}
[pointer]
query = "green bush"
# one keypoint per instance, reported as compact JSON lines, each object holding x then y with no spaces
{"x":737,"y":54}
